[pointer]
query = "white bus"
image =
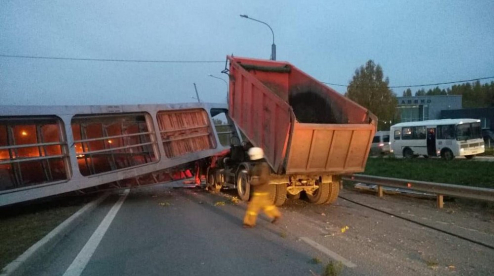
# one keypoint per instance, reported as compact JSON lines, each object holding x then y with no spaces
{"x":446,"y":138}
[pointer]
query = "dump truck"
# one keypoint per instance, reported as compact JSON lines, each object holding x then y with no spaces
{"x":311,"y":135}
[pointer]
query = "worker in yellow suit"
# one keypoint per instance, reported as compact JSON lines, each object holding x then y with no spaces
{"x":259,"y":180}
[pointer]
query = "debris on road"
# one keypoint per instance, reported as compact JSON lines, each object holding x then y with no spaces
{"x":314,"y":261}
{"x":343,"y":230}
{"x":165,"y":204}
{"x":235,"y":200}
{"x":219,"y":203}
{"x":333,"y":269}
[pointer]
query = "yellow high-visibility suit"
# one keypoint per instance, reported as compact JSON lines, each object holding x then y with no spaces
{"x":260,"y":200}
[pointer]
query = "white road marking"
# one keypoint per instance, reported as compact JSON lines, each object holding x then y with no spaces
{"x":328,"y":252}
{"x":82,"y":259}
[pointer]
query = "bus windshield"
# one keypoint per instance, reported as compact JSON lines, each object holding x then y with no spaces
{"x":468,"y":131}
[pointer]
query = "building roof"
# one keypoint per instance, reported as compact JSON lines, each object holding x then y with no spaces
{"x":428,"y":96}
{"x":436,"y":122}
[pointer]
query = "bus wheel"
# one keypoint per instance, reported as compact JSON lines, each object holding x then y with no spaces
{"x":469,"y":156}
{"x":407,"y":153}
{"x":447,"y":155}
{"x":426,"y":156}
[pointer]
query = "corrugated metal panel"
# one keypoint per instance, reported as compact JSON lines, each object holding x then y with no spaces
{"x":262,"y":116}
{"x":267,"y":98}
{"x":185,"y":131}
{"x":329,"y":148}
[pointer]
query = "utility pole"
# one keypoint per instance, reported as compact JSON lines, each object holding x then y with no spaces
{"x":197,"y":94}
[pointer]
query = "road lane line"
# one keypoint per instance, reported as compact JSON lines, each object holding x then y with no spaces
{"x":82,"y":259}
{"x":328,"y":252}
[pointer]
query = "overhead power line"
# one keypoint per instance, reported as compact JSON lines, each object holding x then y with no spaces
{"x":213,"y":61}
{"x":113,"y":60}
{"x":421,"y":85}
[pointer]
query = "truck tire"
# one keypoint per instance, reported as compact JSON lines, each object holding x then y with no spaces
{"x":280,"y":197}
{"x":334,"y":191}
{"x":290,"y":196}
{"x":272,"y":193}
{"x":243,"y":186}
{"x":212,"y":184}
{"x":320,"y":196}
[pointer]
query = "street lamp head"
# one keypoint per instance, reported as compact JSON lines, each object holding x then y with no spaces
{"x":244,"y":16}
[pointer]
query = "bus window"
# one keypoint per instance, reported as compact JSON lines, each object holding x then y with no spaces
{"x":446,"y":132}
{"x":407,"y":133}
{"x":468,"y":131}
{"x":397,"y":134}
{"x":414,"y":133}
{"x":419,"y":132}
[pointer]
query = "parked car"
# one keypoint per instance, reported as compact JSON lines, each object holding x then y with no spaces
{"x":380,"y":143}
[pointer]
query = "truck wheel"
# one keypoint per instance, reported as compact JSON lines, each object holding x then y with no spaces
{"x":320,"y":195}
{"x":212,"y":184}
{"x":243,"y":186}
{"x":290,"y":196}
{"x":334,"y":190}
{"x":280,"y":197}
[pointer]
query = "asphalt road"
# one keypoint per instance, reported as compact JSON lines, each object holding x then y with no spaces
{"x":162,"y":231}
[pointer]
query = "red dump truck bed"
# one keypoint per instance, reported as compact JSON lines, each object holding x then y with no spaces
{"x":304,"y":126}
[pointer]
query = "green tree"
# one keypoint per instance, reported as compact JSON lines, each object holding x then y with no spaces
{"x":370,"y":89}
{"x":217,"y":122}
{"x":436,"y":91}
{"x":420,"y":92}
{"x":407,"y":93}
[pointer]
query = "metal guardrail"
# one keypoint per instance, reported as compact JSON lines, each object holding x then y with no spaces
{"x":440,"y":189}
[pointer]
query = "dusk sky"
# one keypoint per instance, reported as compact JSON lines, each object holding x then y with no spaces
{"x":416,"y":42}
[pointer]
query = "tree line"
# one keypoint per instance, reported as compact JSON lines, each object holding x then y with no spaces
{"x":370,"y":88}
{"x":474,"y":95}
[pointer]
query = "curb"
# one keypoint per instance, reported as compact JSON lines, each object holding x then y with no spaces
{"x":18,"y":265}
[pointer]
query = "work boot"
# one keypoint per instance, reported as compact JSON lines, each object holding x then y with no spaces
{"x":275,"y":220}
{"x":248,"y":226}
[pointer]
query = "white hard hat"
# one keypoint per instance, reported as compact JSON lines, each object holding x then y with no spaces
{"x":256,"y":153}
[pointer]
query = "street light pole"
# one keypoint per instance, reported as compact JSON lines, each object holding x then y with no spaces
{"x":210,"y":75}
{"x":273,"y":46}
{"x":221,"y":80}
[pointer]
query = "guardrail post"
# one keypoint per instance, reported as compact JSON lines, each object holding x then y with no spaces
{"x":440,"y":202}
{"x":379,"y":190}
